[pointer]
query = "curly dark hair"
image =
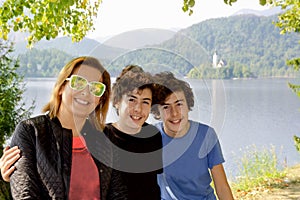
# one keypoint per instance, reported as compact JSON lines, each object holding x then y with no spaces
{"x":132,"y":77}
{"x":166,"y":84}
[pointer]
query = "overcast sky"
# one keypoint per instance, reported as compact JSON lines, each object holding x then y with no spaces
{"x":118,"y":16}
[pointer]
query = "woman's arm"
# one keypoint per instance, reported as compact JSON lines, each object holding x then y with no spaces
{"x":220,"y":181}
{"x":7,"y":160}
{"x":24,"y":181}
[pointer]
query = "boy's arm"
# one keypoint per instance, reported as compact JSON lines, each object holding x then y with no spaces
{"x":221,"y":184}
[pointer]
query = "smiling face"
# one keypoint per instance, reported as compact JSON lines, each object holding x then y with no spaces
{"x":174,"y":114}
{"x":133,"y":109}
{"x":79,"y":103}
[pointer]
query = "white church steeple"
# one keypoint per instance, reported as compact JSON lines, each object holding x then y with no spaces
{"x":215,"y":59}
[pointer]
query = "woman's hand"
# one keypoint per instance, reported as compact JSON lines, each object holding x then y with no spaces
{"x":9,"y":157}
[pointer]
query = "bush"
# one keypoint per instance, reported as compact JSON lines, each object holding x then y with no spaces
{"x":257,"y":169}
{"x":11,"y":105}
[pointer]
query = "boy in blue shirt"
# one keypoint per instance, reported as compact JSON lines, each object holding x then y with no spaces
{"x":192,"y":155}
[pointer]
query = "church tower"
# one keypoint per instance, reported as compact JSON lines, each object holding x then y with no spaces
{"x":215,"y":59}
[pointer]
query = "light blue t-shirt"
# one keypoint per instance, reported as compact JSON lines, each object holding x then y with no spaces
{"x":187,"y":161}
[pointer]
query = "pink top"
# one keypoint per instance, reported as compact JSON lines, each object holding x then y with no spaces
{"x":85,"y":183}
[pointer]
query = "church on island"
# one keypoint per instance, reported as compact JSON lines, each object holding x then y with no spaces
{"x":217,"y":63}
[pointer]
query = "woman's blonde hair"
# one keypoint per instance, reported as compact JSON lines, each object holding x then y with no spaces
{"x":98,"y":116}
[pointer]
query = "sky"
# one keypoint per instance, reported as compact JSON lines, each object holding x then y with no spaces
{"x":119,"y":16}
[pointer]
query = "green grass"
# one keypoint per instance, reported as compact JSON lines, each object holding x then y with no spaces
{"x":258,"y":168}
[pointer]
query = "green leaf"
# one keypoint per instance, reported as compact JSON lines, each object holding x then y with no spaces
{"x":16,"y":28}
{"x":262,"y":2}
{"x":185,"y":8}
{"x":191,"y":3}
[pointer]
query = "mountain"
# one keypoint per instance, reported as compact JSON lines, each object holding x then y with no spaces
{"x":87,"y":46}
{"x":247,"y":41}
{"x":139,"y":38}
{"x":109,"y":49}
{"x":266,"y":13}
{"x":244,"y":42}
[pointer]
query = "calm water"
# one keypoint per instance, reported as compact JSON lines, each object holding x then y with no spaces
{"x":260,"y":112}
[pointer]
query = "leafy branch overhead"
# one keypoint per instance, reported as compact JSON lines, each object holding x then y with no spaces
{"x":48,"y":18}
{"x":189,"y":4}
{"x":289,"y":21}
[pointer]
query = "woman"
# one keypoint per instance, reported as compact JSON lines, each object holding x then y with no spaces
{"x":137,"y":143}
{"x":65,"y":155}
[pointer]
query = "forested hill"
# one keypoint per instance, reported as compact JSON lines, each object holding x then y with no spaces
{"x":248,"y":46}
{"x":247,"y":40}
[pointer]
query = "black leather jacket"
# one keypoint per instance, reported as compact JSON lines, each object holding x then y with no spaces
{"x":44,"y":169}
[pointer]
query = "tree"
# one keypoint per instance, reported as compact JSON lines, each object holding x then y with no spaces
{"x":48,"y":18}
{"x":289,"y":21}
{"x":12,"y":109}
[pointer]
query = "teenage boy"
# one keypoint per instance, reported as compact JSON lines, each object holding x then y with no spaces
{"x":192,"y":155}
{"x":139,"y":144}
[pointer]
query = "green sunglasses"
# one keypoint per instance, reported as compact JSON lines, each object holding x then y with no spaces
{"x":79,"y":83}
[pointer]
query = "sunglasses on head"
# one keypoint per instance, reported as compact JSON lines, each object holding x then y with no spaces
{"x":79,"y":83}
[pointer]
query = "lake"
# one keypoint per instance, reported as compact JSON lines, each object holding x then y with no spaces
{"x":260,"y":112}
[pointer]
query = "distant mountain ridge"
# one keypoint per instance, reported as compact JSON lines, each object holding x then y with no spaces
{"x":248,"y":42}
{"x":117,"y":43}
{"x":85,"y":47}
{"x":266,"y":12}
{"x":139,"y":38}
{"x":246,"y":39}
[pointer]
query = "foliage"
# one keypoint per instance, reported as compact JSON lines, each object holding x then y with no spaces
{"x":257,"y":169}
{"x":261,"y":2}
{"x":48,"y":18}
{"x":42,"y":63}
{"x":229,"y":72}
{"x":11,"y":106}
{"x":295,"y":88}
{"x":249,"y":47}
{"x":289,"y":20}
{"x":189,"y":4}
{"x":297,"y":142}
{"x":257,"y":49}
{"x":153,"y":60}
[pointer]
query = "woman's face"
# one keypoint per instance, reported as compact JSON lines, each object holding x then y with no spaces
{"x":80,"y":103}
